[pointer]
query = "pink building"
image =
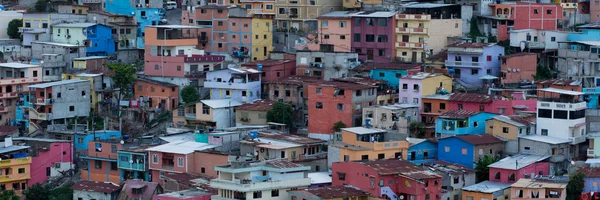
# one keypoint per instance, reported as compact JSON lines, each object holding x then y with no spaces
{"x":517,"y":68}
{"x":191,"y":194}
{"x":171,"y":51}
{"x":511,"y":169}
{"x":334,"y":32}
{"x":389,"y":177}
{"x":273,"y":69}
{"x":594,"y":11}
{"x":521,"y":15}
{"x":50,"y":158}
{"x":490,"y":103}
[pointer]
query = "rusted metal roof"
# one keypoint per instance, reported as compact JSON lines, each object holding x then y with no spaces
{"x":480,"y":139}
{"x":400,"y":167}
{"x":472,"y":97}
{"x":259,"y":105}
{"x":458,"y":114}
{"x":94,"y":186}
{"x":333,"y":192}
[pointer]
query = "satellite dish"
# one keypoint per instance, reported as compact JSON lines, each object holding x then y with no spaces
{"x":122,"y":142}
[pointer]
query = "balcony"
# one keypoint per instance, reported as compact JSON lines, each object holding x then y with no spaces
{"x":43,"y":101}
{"x":590,"y":153}
{"x":35,"y":115}
{"x":15,"y":161}
{"x":404,"y":30}
{"x":561,"y":104}
{"x":14,"y":177}
{"x":15,"y":81}
{"x":236,"y":184}
{"x":568,"y":53}
{"x":132,"y":166}
{"x":92,"y":153}
{"x":409,"y":45}
{"x":465,"y":64}
{"x":568,"y":5}
{"x":536,"y":45}
{"x":190,"y":115}
{"x":202,"y":39}
{"x":9,"y":95}
{"x":3,"y":109}
{"x":237,"y":84}
{"x":168,"y":167}
{"x":413,"y":17}
{"x":577,"y":140}
{"x":32,"y":30}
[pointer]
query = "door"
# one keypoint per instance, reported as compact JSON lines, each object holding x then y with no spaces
{"x":150,"y":102}
{"x":369,"y":54}
{"x":203,"y":36}
{"x":414,"y":56}
{"x":413,"y":155}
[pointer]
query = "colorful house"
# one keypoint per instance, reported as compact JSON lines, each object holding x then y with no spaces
{"x":216,"y":114}
{"x":522,"y":15}
{"x":334,"y":32}
{"x":461,"y":122}
{"x":395,"y":117}
{"x":95,"y":190}
{"x":261,"y":45}
{"x":16,"y":166}
{"x":134,"y":189}
{"x":99,"y":83}
{"x":22,"y":75}
{"x":491,"y":103}
{"x":133,"y":164}
{"x":329,"y":193}
{"x":50,"y":158}
{"x":454,"y":177}
{"x":592,"y":97}
{"x":388,"y":178}
{"x":486,"y":190}
{"x":413,"y":87}
{"x":360,"y":143}
{"x":334,"y":101}
{"x":273,"y":69}
{"x":510,"y":128}
{"x":36,"y":25}
{"x":82,"y":139}
{"x":102,"y":161}
{"x":423,"y":29}
{"x":558,"y":149}
{"x":468,"y":149}
{"x":388,"y":72}
{"x":513,"y":168}
{"x":189,"y":194}
{"x":528,"y":188}
{"x":373,"y":36}
{"x":591,"y":178}
{"x":432,"y":107}
{"x":97,"y":37}
{"x":593,"y":150}
{"x":467,"y":62}
{"x":254,"y":113}
{"x":517,"y":68}
{"x":422,"y":150}
{"x":146,"y":14}
{"x":561,"y":114}
{"x":156,"y":94}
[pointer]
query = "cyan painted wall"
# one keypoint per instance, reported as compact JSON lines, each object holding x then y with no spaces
{"x":450,"y":150}
{"x":591,"y":95}
{"x":391,"y":77}
{"x":475,"y":125}
{"x":589,"y":185}
{"x":20,"y":120}
{"x":146,"y":17}
{"x":419,"y":149}
{"x":82,"y":144}
{"x":585,"y":35}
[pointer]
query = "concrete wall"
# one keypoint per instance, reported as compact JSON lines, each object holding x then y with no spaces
{"x":592,"y":119}
{"x":333,"y":155}
{"x":329,"y":60}
{"x":78,"y":194}
{"x":71,"y":96}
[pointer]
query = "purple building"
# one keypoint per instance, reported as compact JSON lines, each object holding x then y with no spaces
{"x":373,"y":36}
{"x":469,"y":61}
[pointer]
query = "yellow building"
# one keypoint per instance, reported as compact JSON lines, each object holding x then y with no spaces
{"x":359,"y":143}
{"x":511,"y":127}
{"x":357,"y":4}
{"x":262,"y":42}
{"x":16,"y":172}
{"x":419,"y":35}
{"x":554,"y":188}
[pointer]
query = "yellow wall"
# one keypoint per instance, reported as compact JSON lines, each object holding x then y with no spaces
{"x":413,"y":37}
{"x":372,"y":149}
{"x":497,"y":129}
{"x":431,"y":84}
{"x":373,"y":154}
{"x":262,"y":27}
{"x":255,"y":117}
{"x":79,"y":64}
{"x":13,"y":165}
{"x":203,"y":117}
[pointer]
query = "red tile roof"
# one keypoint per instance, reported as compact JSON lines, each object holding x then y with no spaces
{"x":471,"y":97}
{"x":458,"y":114}
{"x":441,"y":56}
{"x":333,"y":192}
{"x":390,"y":66}
{"x":259,"y":105}
{"x":480,"y":139}
{"x":297,"y":80}
{"x":148,"y":192}
{"x":397,"y":166}
{"x":94,"y":186}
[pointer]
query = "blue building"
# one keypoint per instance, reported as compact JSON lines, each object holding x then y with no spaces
{"x":468,"y":149}
{"x":591,"y":97}
{"x":422,"y":150}
{"x":388,"y":72}
{"x":467,"y":62}
{"x":133,"y":164}
{"x":97,"y":38}
{"x":21,"y":119}
{"x":461,"y":122}
{"x":145,"y":14}
{"x":591,"y":178}
{"x":82,"y":139}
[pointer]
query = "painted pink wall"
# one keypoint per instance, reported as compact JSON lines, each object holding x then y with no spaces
{"x":334,"y":31}
{"x":45,"y":159}
{"x":355,"y":175}
{"x":525,"y":18}
{"x":159,"y":165}
{"x":496,"y":105}
{"x":171,"y":64}
{"x":163,"y":197}
{"x":535,"y":168}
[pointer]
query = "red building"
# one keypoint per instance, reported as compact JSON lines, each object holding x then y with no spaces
{"x":511,"y":169}
{"x":394,"y":178}
{"x":273,"y":69}
{"x":333,"y":101}
{"x":522,"y":15}
{"x":490,"y":103}
{"x":517,"y":68}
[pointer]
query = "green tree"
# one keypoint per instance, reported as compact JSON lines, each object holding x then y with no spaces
{"x":189,"y":94}
{"x":123,"y":77}
{"x":9,"y":195}
{"x":13,"y":28}
{"x":575,"y":186}
{"x":37,"y":192}
{"x":417,"y":129}
{"x":542,"y":73}
{"x":474,"y":29}
{"x":64,"y":192}
{"x":41,"y":5}
{"x":281,"y":113}
{"x":482,"y":168}
{"x":338,"y":126}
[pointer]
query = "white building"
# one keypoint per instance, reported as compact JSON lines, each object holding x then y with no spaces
{"x":391,"y":117}
{"x":561,"y":114}
{"x":537,"y":39}
{"x":259,"y":180}
{"x":240,"y":84}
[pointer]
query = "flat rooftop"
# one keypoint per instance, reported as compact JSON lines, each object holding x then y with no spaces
{"x":52,"y":84}
{"x":363,"y":130}
{"x":16,"y":65}
{"x":185,"y":194}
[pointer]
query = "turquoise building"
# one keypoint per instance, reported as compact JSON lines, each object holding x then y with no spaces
{"x":82,"y":139}
{"x":133,"y":164}
{"x":144,"y":15}
{"x":21,"y":119}
{"x":461,"y":122}
{"x":388,"y":72}
{"x":591,"y":97}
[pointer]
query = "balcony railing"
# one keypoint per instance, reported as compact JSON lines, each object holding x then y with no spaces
{"x":14,"y":177}
{"x":34,"y":114}
{"x":577,"y":140}
{"x":409,"y":45}
{"x":13,"y":81}
{"x":411,"y":30}
{"x":590,"y":153}
{"x":132,"y":166}
{"x":228,"y":85}
{"x":32,"y":30}
{"x":15,"y":161}
{"x":412,"y":17}
{"x":168,"y":167}
{"x":43,"y":101}
{"x":464,"y":64}
{"x":236,"y":185}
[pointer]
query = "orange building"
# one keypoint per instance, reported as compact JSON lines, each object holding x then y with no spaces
{"x":102,"y":161}
{"x":151,"y":93}
{"x":15,"y":167}
{"x":357,"y":144}
{"x":432,"y":107}
{"x":571,"y":85}
{"x":486,"y":190}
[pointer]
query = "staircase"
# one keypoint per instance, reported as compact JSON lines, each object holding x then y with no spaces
{"x":389,"y":193}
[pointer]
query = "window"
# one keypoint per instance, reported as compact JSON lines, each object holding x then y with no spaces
{"x":364,"y":157}
{"x":535,"y":11}
{"x":553,"y":39}
{"x":269,"y":7}
{"x":382,"y":38}
{"x":71,"y":108}
{"x":97,"y":164}
{"x":155,"y":158}
{"x":357,"y":21}
{"x":381,"y":52}
{"x":21,"y":170}
{"x":342,"y":24}
{"x":324,"y":24}
{"x":257,"y":195}
{"x":357,"y":37}
{"x":549,"y":12}
{"x":346,"y":158}
{"x":282,"y":11}
{"x":460,"y":106}
{"x":497,"y":176}
{"x":206,"y":109}
{"x":545,"y":132}
{"x":416,"y":100}
{"x":446,"y":149}
{"x":504,"y":129}
{"x":274,"y":193}
{"x":370,"y":38}
{"x":113,"y":166}
{"x":319,"y":105}
{"x":481,"y":107}
{"x":464,"y":151}
{"x":442,"y":106}
{"x":404,"y":86}
{"x":382,"y":22}
{"x":326,"y":36}
{"x":342,"y":37}
{"x":342,"y":176}
{"x":319,"y":90}
{"x":340,"y":106}
{"x":511,"y":177}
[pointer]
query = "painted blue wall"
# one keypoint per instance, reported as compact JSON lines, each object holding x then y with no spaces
{"x":585,"y":35}
{"x":389,"y":76}
{"x":480,"y":118}
{"x":103,"y":135}
{"x":19,"y":111}
{"x":455,"y":155}
{"x":589,"y":187}
{"x":122,"y":7}
{"x":102,"y":41}
{"x":146,"y":17}
{"x":430,"y":147}
{"x":591,"y":96}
